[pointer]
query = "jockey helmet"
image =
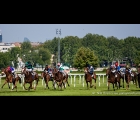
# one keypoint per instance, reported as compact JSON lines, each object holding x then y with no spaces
{"x":46,"y":65}
{"x":58,"y":63}
{"x":8,"y":67}
{"x":127,"y":66}
{"x":139,"y":65}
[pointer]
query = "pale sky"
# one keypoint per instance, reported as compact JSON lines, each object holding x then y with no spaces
{"x":43,"y":32}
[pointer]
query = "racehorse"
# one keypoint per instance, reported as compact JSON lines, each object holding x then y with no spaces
{"x":134,"y":78}
{"x":113,"y":77}
{"x":65,"y":79}
{"x":127,"y":78}
{"x":59,"y":78}
{"x":138,"y":79}
{"x":138,"y":74}
{"x":10,"y":78}
{"x":88,"y":78}
{"x":46,"y":76}
{"x":29,"y":78}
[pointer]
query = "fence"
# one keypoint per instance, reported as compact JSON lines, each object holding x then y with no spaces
{"x":81,"y":78}
{"x":72,"y":78}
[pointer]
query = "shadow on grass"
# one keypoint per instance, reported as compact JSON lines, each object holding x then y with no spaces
{"x":16,"y":91}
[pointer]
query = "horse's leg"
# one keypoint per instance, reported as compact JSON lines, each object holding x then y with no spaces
{"x":119,"y":85}
{"x":61,"y":83}
{"x":67,"y":82}
{"x":54,"y":83}
{"x":5,"y":83}
{"x":126,"y":85}
{"x":123,"y":82}
{"x":136,"y":82}
{"x":30,"y":87}
{"x":108,"y":85}
{"x":139,"y":82}
{"x":64,"y":83}
{"x":87,"y":84}
{"x":14,"y":83}
{"x":113,"y":86}
{"x":24,"y":85}
{"x":91,"y":83}
{"x":95,"y":82}
{"x":47,"y":83}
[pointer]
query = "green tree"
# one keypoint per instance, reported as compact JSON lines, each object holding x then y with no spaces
{"x":14,"y":53}
{"x":25,"y":47}
{"x":4,"y":59}
{"x":83,"y":56}
{"x":45,"y":56}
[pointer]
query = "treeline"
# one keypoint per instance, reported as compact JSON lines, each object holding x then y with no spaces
{"x":106,"y":49}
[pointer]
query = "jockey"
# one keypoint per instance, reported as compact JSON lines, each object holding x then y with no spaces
{"x":26,"y":64}
{"x":118,"y":68}
{"x":113,"y":67}
{"x":116,"y":65}
{"x":59,"y":67}
{"x":128,"y":68}
{"x":48,"y":70}
{"x":29,"y":67}
{"x":12,"y":71}
{"x":91,"y":70}
{"x":88,"y":65}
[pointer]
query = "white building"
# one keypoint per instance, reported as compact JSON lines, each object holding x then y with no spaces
{"x":4,"y":47}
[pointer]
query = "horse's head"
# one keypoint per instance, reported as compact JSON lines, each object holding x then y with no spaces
{"x":5,"y":71}
{"x":24,"y":71}
{"x":43,"y":74}
{"x":86,"y":69}
{"x":2,"y":71}
{"x":108,"y":71}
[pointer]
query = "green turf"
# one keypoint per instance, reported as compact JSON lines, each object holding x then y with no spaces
{"x":78,"y":90}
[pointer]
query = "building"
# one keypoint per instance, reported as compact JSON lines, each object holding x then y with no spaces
{"x":4,"y":47}
{"x":0,"y":37}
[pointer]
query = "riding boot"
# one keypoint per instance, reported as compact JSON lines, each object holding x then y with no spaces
{"x":32,"y":72}
{"x":13,"y":75}
{"x":63,"y":74}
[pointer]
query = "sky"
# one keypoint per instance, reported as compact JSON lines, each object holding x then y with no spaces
{"x":42,"y":32}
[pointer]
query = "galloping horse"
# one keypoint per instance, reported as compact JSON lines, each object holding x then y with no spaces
{"x":10,"y":78}
{"x":113,"y":77}
{"x":134,"y":78}
{"x":88,"y":77}
{"x":29,"y":78}
{"x":45,"y":75}
{"x":58,"y":77}
{"x":138,"y":79}
{"x":127,"y":78}
{"x":65,"y":79}
{"x":138,"y":74}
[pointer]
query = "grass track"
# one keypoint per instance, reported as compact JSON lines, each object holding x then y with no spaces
{"x":78,"y":90}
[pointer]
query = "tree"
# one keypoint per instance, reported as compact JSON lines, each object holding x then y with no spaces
{"x":4,"y":59}
{"x":45,"y":56}
{"x":14,"y":52}
{"x":25,"y":47}
{"x":83,"y":56}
